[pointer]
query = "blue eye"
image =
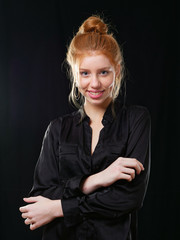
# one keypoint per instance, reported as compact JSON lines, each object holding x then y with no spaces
{"x":84,"y":73}
{"x":104,"y":72}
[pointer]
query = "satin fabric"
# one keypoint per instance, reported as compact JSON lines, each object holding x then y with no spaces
{"x":66,"y":159}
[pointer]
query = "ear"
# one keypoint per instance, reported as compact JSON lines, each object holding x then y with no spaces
{"x":118,"y":70}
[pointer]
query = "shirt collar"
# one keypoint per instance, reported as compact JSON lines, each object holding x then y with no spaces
{"x":109,"y":115}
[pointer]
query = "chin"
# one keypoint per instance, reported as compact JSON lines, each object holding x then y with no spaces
{"x":98,"y":102}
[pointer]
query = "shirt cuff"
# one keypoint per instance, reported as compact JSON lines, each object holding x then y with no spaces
{"x":72,"y":187}
{"x":71,"y":211}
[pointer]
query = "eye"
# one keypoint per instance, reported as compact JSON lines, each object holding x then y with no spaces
{"x":84,"y":73}
{"x":104,"y":72}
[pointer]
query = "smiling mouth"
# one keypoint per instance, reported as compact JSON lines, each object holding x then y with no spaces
{"x":95,"y":93}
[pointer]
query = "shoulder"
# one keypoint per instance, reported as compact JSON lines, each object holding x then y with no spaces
{"x":54,"y":127}
{"x":137,"y":116}
{"x":67,"y":118}
{"x":135,"y":111}
{"x":131,"y":111}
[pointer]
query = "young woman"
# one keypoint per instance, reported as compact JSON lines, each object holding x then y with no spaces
{"x":93,"y":169}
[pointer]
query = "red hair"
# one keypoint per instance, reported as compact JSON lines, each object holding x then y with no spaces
{"x":93,"y":38}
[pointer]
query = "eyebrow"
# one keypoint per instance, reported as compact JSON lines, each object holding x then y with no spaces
{"x":103,"y":68}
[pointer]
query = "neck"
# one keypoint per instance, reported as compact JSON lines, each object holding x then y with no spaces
{"x":96,"y":112}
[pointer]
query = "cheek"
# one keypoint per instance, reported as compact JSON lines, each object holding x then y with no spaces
{"x":82,"y":84}
{"x":109,"y":84}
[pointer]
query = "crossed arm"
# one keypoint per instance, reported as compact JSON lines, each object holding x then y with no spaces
{"x":41,"y":210}
{"x":101,"y":193}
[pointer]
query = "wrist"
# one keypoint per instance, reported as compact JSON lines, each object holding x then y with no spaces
{"x":57,"y":208}
{"x":102,"y":180}
{"x":91,"y":183}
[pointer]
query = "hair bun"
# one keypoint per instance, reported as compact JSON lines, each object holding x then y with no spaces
{"x":93,"y":24}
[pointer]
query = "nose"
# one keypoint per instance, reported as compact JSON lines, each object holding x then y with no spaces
{"x":95,"y":83}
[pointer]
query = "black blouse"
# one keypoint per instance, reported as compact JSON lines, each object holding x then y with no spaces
{"x":65,"y":160}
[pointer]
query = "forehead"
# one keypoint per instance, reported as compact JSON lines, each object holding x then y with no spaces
{"x":95,"y":61}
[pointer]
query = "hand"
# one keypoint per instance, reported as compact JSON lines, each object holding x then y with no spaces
{"x":122,"y":168}
{"x":40,"y":211}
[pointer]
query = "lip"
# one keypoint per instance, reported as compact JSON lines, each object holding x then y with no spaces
{"x":95,"y":94}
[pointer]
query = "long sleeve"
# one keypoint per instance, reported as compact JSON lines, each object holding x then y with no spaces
{"x":122,"y":197}
{"x":47,"y":180}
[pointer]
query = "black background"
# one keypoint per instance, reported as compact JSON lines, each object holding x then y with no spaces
{"x":34,"y":90}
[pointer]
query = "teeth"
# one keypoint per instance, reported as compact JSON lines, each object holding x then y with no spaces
{"x":95,"y":93}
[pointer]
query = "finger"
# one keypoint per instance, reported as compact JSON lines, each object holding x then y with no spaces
{"x":24,"y":215}
{"x":28,"y":221}
{"x":141,"y":165}
{"x":134,"y":163}
{"x":23,"y":209}
{"x":127,"y":177}
{"x":33,"y":226}
{"x":138,"y":167}
{"x":31,"y":199}
{"x":129,"y":171}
